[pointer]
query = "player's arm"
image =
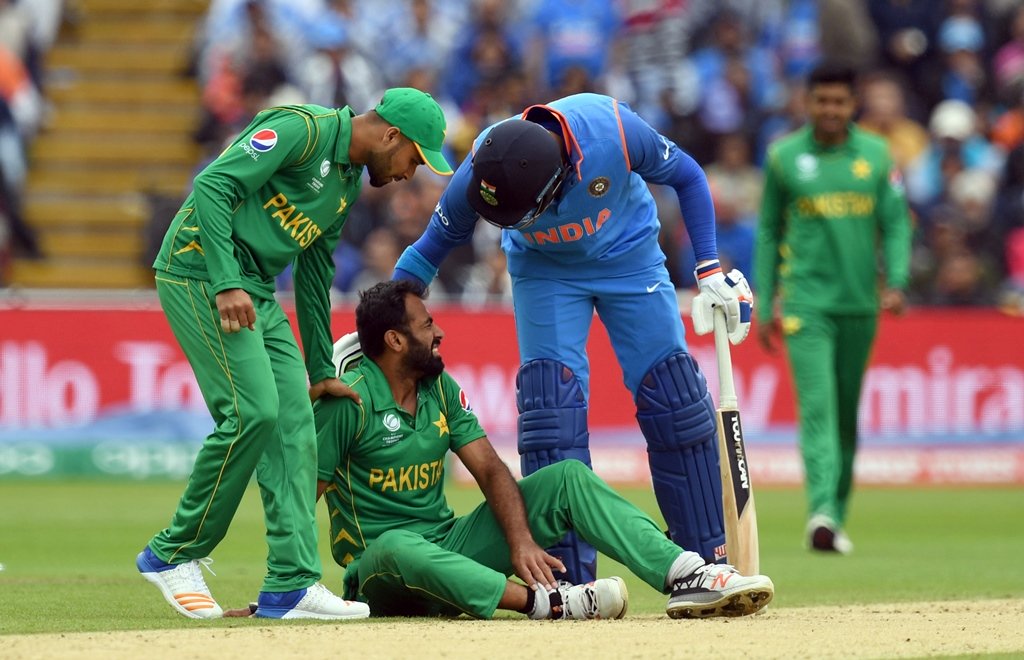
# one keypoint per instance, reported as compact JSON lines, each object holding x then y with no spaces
{"x":532,"y":564}
{"x":313,"y":274}
{"x":895,"y":230}
{"x":338,"y":423}
{"x":658,"y":160}
{"x":766,"y":248}
{"x":232,"y":177}
{"x":450,"y":226}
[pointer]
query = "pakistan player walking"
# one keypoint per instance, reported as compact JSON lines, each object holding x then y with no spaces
{"x":279,"y":194}
{"x":831,"y":196}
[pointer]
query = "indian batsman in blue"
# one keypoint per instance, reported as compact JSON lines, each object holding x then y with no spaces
{"x":567,"y":183}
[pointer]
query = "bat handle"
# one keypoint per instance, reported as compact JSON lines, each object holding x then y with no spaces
{"x":726,"y":387}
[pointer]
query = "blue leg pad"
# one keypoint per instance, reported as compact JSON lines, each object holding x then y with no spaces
{"x":552,"y":428}
{"x":677,"y":417}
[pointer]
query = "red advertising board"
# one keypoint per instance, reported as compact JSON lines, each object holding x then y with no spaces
{"x":937,"y":377}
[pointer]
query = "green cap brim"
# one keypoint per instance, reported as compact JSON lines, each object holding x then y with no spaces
{"x":434,"y":160}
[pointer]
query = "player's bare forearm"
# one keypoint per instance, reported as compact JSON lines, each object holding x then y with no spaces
{"x":532,"y":564}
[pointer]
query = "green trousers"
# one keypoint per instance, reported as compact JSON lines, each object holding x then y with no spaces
{"x":828,"y":355}
{"x":403,"y":574}
{"x":255,"y":386}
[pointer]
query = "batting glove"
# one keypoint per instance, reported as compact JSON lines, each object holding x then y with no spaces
{"x":347,"y":353}
{"x":730,"y":292}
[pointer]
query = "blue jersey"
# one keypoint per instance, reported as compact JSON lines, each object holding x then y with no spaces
{"x":605,"y":222}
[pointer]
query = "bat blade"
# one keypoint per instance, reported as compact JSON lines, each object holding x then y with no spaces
{"x":740,"y":516}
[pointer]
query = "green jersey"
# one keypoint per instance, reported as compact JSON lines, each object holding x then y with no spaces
{"x":385,"y":466}
{"x":279,"y":193}
{"x":824,"y":211}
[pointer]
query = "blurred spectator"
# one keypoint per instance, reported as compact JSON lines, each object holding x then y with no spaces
{"x":738,"y":81}
{"x":961,"y":40}
{"x":337,"y":74}
{"x":570,"y":35}
{"x":1008,"y":63}
{"x":961,"y":280}
{"x":487,"y":52}
{"x":380,"y":252}
{"x":847,"y":34}
{"x":907,"y":31}
{"x":487,"y":280}
{"x":735,"y":179}
{"x":956,"y":145}
{"x":419,"y":36}
{"x":800,"y":39}
{"x":777,"y":123}
{"x":884,"y":112}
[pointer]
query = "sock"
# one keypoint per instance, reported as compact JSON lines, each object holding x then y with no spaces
{"x":531,"y":598}
{"x":687,"y":562}
{"x":541,"y":605}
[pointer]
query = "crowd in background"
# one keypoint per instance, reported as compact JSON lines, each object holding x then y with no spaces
{"x":941,"y":80}
{"x":28,"y":28}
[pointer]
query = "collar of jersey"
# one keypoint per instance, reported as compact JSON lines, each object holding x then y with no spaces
{"x":344,"y":140}
{"x":380,"y":391}
{"x":575,"y":152}
{"x":847,"y":145}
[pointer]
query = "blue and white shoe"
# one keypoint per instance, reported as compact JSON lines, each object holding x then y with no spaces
{"x":182,"y":585}
{"x":315,"y":602}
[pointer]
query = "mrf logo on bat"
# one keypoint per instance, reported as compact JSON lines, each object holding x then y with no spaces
{"x":261,"y":142}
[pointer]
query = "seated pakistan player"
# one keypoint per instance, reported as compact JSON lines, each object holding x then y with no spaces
{"x":381,"y":469}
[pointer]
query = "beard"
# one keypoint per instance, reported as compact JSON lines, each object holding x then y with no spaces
{"x":378,"y":164}
{"x":421,"y":359}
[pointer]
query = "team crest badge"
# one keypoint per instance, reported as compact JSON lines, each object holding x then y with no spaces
{"x":489,"y":193}
{"x":599,"y":186}
{"x":464,"y":400}
{"x":263,"y":140}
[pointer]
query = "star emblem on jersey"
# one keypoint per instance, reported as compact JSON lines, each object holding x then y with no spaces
{"x":791,"y":325}
{"x":342,"y":205}
{"x":860,"y":168}
{"x":599,"y":186}
{"x":441,"y":424}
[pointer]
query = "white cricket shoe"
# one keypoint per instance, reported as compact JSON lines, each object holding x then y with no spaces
{"x":182,"y":585}
{"x":315,"y":602}
{"x":606,"y":598}
{"x":825,"y":536}
{"x":718,"y":590}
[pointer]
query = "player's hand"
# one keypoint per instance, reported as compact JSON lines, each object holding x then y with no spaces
{"x":894,"y":301}
{"x":766,"y":334}
{"x":240,"y":612}
{"x":347,"y":353}
{"x":236,"y":310}
{"x":730,"y":292}
{"x":534,"y":565}
{"x":332,"y":387}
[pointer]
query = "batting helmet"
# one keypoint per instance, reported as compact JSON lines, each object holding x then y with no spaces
{"x":517,"y":171}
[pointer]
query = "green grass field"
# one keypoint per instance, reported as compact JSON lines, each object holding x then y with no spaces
{"x":68,"y":551}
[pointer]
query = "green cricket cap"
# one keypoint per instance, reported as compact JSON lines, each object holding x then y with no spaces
{"x":418,"y":116}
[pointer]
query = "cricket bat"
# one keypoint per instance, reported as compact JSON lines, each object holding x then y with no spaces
{"x":737,"y":491}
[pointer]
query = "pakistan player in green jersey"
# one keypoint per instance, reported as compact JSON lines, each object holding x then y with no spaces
{"x":382,"y":467}
{"x":279,"y":194}
{"x":832,"y":195}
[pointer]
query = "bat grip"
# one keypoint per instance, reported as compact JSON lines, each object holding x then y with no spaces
{"x":726,"y":388}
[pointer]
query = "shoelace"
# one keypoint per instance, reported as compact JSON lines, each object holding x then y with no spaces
{"x":207,"y":563}
{"x":707,"y":571}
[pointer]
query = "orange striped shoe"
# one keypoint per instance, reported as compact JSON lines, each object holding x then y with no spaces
{"x":182,"y":585}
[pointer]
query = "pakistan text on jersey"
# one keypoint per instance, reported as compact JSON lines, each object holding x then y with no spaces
{"x":568,"y":232}
{"x":836,"y":205}
{"x":410,"y":477}
{"x":301,"y":227}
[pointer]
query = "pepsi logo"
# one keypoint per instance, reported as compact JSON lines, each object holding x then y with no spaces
{"x":264,"y":140}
